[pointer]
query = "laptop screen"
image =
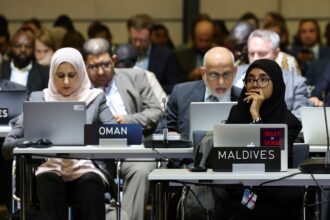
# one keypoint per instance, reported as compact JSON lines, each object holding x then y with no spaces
{"x":313,"y":125}
{"x":204,"y":115}
{"x":13,"y":101}
{"x":253,"y":135}
{"x":60,"y":122}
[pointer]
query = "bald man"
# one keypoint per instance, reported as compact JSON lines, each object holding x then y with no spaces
{"x":218,"y":73}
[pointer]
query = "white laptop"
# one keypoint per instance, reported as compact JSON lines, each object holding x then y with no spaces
{"x":60,"y":122}
{"x":204,"y":115}
{"x":313,"y":125}
{"x":253,"y":135}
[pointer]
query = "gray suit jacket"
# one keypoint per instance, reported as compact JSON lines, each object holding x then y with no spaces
{"x":295,"y":89}
{"x":139,"y":99}
{"x":97,"y":112}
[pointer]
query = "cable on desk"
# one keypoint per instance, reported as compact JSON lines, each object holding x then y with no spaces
{"x":166,"y":158}
{"x":279,"y":179}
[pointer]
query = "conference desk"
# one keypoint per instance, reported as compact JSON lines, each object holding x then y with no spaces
{"x":89,"y":152}
{"x":162,"y":177}
{"x":4,"y":130}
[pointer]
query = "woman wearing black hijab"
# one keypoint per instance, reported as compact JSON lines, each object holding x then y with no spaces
{"x":262,"y":100}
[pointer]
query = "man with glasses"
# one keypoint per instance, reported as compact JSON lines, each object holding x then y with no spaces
{"x":131,"y":101}
{"x":264,"y":44}
{"x":157,"y":59}
{"x":218,"y":73}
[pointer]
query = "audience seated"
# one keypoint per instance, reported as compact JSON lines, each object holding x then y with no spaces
{"x":127,"y":57}
{"x":157,"y":59}
{"x":251,"y":18}
{"x":218,"y":73}
{"x":191,"y":58}
{"x":237,"y":41}
{"x":22,"y":68}
{"x":98,"y":29}
{"x":131,"y":101}
{"x":4,"y":38}
{"x":64,"y":21}
{"x":221,"y":32}
{"x":264,"y":44}
{"x":307,"y":46}
{"x":44,"y":47}
{"x":322,"y":87}
{"x":57,"y":177}
{"x":73,"y":39}
{"x":160,"y":35}
{"x":286,"y":61}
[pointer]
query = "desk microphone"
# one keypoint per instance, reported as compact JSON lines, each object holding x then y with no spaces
{"x":319,"y":165}
{"x":165,"y":129}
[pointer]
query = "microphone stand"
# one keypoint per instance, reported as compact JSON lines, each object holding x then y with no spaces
{"x":165,"y":129}
{"x":327,"y":154}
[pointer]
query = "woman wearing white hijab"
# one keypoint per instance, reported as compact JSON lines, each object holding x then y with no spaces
{"x":56,"y":178}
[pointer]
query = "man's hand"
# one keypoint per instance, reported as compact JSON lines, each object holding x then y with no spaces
{"x":120,"y":119}
{"x":316,"y":101}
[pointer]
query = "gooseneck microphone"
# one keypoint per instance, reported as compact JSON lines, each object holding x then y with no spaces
{"x":324,"y":97}
{"x":165,"y":129}
{"x":319,"y":165}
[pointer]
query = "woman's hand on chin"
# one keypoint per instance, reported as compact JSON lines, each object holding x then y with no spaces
{"x":256,"y":98}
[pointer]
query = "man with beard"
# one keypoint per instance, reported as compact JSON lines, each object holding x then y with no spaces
{"x":218,"y":73}
{"x":157,"y":59}
{"x":22,"y":68}
{"x":191,"y":58}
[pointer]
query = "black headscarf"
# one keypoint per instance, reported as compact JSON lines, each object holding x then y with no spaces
{"x":273,"y":108}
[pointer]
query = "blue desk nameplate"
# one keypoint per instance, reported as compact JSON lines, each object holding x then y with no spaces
{"x":4,"y":116}
{"x":131,"y":132}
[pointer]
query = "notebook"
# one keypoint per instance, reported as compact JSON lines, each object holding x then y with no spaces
{"x":203,"y":115}
{"x":13,"y":101}
{"x":253,"y":135}
{"x":60,"y":122}
{"x":313,"y":125}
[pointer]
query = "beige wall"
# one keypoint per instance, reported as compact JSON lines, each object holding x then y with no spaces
{"x":115,"y":12}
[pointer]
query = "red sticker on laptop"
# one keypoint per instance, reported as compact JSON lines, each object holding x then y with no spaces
{"x":272,"y":137}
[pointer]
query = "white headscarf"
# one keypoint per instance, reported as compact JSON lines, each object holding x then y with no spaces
{"x":84,"y":93}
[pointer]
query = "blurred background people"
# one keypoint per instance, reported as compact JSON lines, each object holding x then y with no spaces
{"x":44,"y":47}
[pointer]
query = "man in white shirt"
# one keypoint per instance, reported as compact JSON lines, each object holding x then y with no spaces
{"x":22,"y":68}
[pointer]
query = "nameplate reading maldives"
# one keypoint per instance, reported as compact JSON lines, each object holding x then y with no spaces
{"x":131,"y":132}
{"x":4,"y":116}
{"x":223,"y":158}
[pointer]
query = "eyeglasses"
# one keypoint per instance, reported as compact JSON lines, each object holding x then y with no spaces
{"x":261,"y":82}
{"x":216,"y":76}
{"x":95,"y":67}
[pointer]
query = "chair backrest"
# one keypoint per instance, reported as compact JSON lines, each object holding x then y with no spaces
{"x":300,"y":153}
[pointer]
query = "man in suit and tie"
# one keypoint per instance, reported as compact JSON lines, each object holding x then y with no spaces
{"x":155,"y":58}
{"x":22,"y":68}
{"x":218,"y":73}
{"x":131,"y":101}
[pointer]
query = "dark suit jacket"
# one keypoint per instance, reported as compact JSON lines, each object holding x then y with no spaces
{"x":163,"y":63}
{"x":37,"y":79}
{"x":178,"y":106}
{"x":187,"y":58}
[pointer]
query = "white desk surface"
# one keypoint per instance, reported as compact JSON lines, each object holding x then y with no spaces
{"x":247,"y":179}
{"x":99,"y":152}
{"x":4,"y":130}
